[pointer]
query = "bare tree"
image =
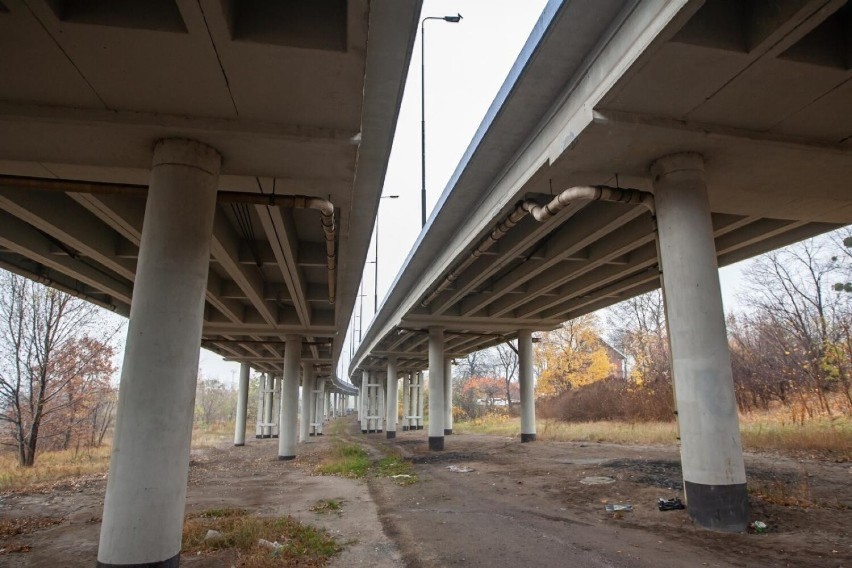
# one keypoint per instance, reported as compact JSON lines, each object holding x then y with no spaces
{"x":508,"y":356}
{"x":639,"y":330}
{"x":47,"y":348}
{"x":792,"y":290}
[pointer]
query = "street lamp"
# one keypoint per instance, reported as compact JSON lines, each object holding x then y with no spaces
{"x":453,"y":20}
{"x":376,"y":258}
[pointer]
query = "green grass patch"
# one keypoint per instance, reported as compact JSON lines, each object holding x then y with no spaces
{"x":398,"y":469}
{"x":298,"y":544}
{"x":345,"y":460}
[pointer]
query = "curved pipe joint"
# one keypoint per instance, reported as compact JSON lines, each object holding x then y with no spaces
{"x":324,"y":206}
{"x":542,"y":213}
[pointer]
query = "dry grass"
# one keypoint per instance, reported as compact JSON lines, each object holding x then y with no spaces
{"x":558,"y":431}
{"x":827,"y":437}
{"x":58,"y":466}
{"x":52,"y":467}
{"x":209,"y":436}
{"x":298,"y":544}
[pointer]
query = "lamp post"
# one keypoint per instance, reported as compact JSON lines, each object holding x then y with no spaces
{"x":376,"y":259}
{"x":453,"y":20}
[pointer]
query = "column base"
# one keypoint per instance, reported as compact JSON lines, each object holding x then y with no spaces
{"x":319,"y":434}
{"x":238,"y":445}
{"x":258,"y":436}
{"x":448,"y":431}
{"x":390,"y":434}
{"x":527,"y":438}
{"x":420,"y":427}
{"x":405,"y":428}
{"x":363,"y":431}
{"x":265,"y":436}
{"x":275,"y":435}
{"x":286,"y":458}
{"x":172,"y":562}
{"x":311,"y":434}
{"x":436,"y":443}
{"x":717,"y":507}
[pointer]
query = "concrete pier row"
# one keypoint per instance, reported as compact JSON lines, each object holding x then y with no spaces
{"x":712,"y":459}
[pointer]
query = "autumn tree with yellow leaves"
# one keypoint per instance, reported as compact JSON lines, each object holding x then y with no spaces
{"x":571,"y":357}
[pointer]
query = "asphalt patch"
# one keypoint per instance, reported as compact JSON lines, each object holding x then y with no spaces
{"x":665,"y":474}
{"x":447,"y":457}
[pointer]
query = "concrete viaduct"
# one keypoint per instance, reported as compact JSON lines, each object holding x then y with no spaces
{"x":633,"y":139}
{"x":634,"y":145}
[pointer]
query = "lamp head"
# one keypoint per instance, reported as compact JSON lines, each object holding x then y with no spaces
{"x":453,"y":19}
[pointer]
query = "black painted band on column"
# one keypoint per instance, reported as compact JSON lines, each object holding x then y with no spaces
{"x":718,"y":507}
{"x":170,"y":563}
{"x":436,"y":443}
{"x":405,"y":428}
{"x":527,"y":438}
{"x":391,"y":434}
{"x":286,"y":458}
{"x":448,"y":431}
{"x":363,"y":431}
{"x":239,"y":445}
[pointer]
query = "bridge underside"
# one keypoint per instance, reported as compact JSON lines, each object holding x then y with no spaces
{"x":299,"y":99}
{"x":762,"y":93}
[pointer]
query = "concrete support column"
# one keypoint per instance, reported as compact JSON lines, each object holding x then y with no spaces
{"x":321,"y":408}
{"x":711,"y":452}
{"x":268,"y":390}
{"x":242,"y":406}
{"x":146,"y":488}
{"x":316,"y":410}
{"x":380,"y":402}
{"x":420,"y":400}
{"x":364,"y":397}
{"x":276,"y":405}
{"x":436,"y":388}
{"x":289,"y":398}
{"x":392,"y":399}
{"x":525,"y":378}
{"x":406,"y":400}
{"x":448,"y":396}
{"x":261,"y":396}
{"x":307,"y":401}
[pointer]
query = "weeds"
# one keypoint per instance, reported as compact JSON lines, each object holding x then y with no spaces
{"x":328,"y":506}
{"x":26,"y":525}
{"x":398,"y":469}
{"x":778,"y":493}
{"x":345,"y":460}
{"x":298,"y":544}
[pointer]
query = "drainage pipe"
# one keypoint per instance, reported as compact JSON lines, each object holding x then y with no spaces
{"x":542,"y":213}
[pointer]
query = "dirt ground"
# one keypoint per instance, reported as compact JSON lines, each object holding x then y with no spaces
{"x":521,"y":505}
